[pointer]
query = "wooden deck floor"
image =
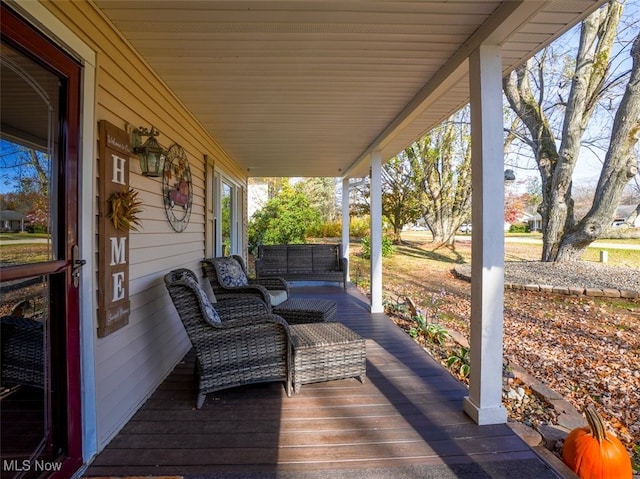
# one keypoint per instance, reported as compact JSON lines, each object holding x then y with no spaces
{"x":406,"y":420}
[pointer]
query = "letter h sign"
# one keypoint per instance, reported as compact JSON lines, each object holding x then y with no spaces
{"x":113,"y":252}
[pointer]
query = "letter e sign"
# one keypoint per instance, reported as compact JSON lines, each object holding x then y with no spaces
{"x":113,"y":245}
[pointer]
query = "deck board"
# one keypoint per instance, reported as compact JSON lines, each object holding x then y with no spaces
{"x":407,"y":414}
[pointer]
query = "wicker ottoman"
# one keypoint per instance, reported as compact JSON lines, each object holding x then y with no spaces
{"x":326,"y":351}
{"x":299,"y":310}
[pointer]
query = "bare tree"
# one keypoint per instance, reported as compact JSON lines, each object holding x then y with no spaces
{"x":441,"y":162}
{"x":321,"y":192}
{"x":26,"y":174}
{"x":565,"y":237}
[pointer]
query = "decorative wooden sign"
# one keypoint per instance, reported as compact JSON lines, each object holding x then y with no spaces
{"x":113,"y":244}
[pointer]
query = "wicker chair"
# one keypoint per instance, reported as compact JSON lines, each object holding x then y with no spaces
{"x":272,"y":291}
{"x":235,"y":342}
{"x":22,"y":355}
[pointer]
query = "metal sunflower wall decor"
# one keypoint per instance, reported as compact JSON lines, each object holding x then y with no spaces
{"x":177,"y":188}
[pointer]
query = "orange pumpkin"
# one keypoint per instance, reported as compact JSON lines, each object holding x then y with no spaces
{"x":593,"y":453}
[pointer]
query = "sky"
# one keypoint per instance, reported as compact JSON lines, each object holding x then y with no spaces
{"x":589,"y":164}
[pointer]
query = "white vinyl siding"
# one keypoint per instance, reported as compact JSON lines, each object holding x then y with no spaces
{"x":131,"y":362}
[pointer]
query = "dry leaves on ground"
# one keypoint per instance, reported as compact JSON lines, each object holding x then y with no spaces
{"x":582,"y":348}
{"x":587,"y":349}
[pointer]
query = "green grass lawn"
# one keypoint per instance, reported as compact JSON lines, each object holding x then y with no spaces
{"x":21,"y":236}
{"x":24,"y":248}
{"x":616,"y":257}
{"x":520,"y":248}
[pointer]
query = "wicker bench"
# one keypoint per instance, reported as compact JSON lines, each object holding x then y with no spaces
{"x":326,"y":351}
{"x":302,"y":262}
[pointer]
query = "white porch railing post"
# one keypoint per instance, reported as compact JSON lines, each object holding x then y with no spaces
{"x":376,"y":232}
{"x":346,"y":219}
{"x":484,"y":403}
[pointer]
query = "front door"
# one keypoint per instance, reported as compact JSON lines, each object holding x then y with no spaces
{"x":39,"y":263}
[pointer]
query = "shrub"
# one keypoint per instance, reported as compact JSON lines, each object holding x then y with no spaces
{"x":331,"y":229}
{"x":519,"y":228}
{"x":359,"y":227}
{"x":284,"y":219}
{"x":387,"y":247}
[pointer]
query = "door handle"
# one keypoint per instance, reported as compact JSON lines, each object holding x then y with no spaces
{"x":76,"y":264}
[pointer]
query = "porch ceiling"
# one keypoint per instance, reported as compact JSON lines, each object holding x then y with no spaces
{"x":311,"y":88}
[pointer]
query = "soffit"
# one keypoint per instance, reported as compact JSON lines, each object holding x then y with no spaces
{"x":310,"y":88}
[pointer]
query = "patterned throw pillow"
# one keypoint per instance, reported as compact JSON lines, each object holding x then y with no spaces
{"x":208,"y":311}
{"x":230,"y":272}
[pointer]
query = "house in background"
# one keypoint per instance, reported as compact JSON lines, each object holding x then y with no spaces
{"x":11,"y":221}
{"x":627,"y":215}
{"x":533,"y":220}
{"x":229,"y":90}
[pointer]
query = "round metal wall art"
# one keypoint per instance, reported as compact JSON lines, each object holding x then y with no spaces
{"x":177,"y":188}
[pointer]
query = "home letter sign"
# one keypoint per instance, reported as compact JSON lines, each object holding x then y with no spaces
{"x":113,"y":251}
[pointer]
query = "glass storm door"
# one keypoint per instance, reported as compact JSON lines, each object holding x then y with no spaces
{"x":39,"y":398}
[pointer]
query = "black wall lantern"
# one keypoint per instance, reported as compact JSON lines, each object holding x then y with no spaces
{"x":150,"y":153}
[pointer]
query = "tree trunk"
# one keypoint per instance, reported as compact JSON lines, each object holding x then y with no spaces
{"x":521,"y":99}
{"x":442,"y":236}
{"x":619,"y":167}
{"x":397,"y":239}
{"x":589,"y":72}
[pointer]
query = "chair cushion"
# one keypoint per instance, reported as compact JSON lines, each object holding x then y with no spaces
{"x":277,"y":297}
{"x":230,"y":272}
{"x":208,"y":311}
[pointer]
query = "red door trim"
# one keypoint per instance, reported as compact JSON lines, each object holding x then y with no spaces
{"x":21,"y":35}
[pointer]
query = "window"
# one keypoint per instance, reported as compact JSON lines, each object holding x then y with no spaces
{"x":226,"y":218}
{"x":227,"y":213}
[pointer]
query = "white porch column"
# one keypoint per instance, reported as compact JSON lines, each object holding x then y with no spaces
{"x":346,"y":219}
{"x":376,"y":232}
{"x":484,"y":403}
